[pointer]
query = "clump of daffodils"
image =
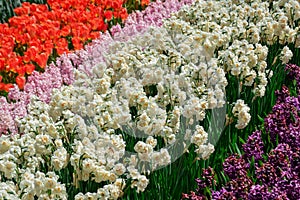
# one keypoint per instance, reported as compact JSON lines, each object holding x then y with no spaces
{"x":151,"y":88}
{"x":237,"y":33}
{"x":20,"y":174}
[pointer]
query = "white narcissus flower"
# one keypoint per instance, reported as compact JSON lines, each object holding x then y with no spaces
{"x":102,"y":193}
{"x":59,"y":158}
{"x":250,"y":77}
{"x":144,"y":121}
{"x":88,"y":165}
{"x":133,"y":172}
{"x":208,"y":151}
{"x":27,"y":184}
{"x":260,"y":90}
{"x":4,"y":144}
{"x":80,"y":196}
{"x":165,"y":157}
{"x":141,"y":147}
{"x":297,"y":42}
{"x":155,"y":159}
{"x":241,"y":111}
{"x":60,"y":191}
{"x":171,"y":139}
{"x":286,"y":55}
{"x":8,"y":168}
{"x":119,"y":169}
{"x":144,"y":157}
{"x":100,"y":174}
{"x":152,"y":141}
{"x":200,"y":136}
{"x":112,"y":191}
{"x":142,"y":183}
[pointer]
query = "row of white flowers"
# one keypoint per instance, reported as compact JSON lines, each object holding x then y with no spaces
{"x":79,"y":127}
{"x":154,"y":88}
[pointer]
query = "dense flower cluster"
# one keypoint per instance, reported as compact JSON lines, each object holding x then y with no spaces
{"x":254,"y":147}
{"x":89,"y":114}
{"x":276,"y":178}
{"x":37,"y":84}
{"x":39,"y":33}
{"x":153,"y":83}
{"x":235,"y":32}
{"x":41,"y":84}
{"x":237,"y":29}
{"x":251,"y":55}
{"x":283,"y":124}
{"x":93,"y":109}
{"x":206,"y":181}
{"x":275,"y":175}
{"x":294,"y":73}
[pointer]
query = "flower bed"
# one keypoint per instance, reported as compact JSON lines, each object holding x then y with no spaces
{"x":38,"y":34}
{"x":261,"y":173}
{"x":42,"y":84}
{"x":138,"y":100}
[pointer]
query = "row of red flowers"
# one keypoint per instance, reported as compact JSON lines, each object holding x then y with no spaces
{"x":40,"y":33}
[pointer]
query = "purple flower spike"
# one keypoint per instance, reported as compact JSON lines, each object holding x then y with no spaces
{"x":294,"y":73}
{"x":259,"y":192}
{"x":223,"y":194}
{"x":235,"y":167}
{"x":284,"y":121}
{"x":254,"y":147}
{"x":266,"y":174}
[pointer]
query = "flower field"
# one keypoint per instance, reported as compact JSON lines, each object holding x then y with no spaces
{"x":173,"y":99}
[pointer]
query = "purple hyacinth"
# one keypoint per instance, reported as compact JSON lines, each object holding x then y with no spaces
{"x":223,"y":194}
{"x":266,"y":174}
{"x":193,"y":196}
{"x":282,"y":94}
{"x":284,"y":121}
{"x":7,"y":123}
{"x":280,"y":158}
{"x":235,"y":166}
{"x":294,"y":73}
{"x":240,"y":186}
{"x":207,"y":179}
{"x":254,"y":147}
{"x":259,"y":192}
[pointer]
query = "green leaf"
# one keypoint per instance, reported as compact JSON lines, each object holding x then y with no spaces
{"x":237,"y":149}
{"x":260,"y":119}
{"x":241,"y":140}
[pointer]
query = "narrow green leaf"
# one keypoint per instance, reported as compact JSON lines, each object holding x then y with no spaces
{"x":237,"y":149}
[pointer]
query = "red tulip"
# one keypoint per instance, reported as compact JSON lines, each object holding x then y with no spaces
{"x":20,"y":80}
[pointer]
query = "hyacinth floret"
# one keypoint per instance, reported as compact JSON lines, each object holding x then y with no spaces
{"x":254,"y":147}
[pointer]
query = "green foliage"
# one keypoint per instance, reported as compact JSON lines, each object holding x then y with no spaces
{"x":7,"y":7}
{"x":132,"y":5}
